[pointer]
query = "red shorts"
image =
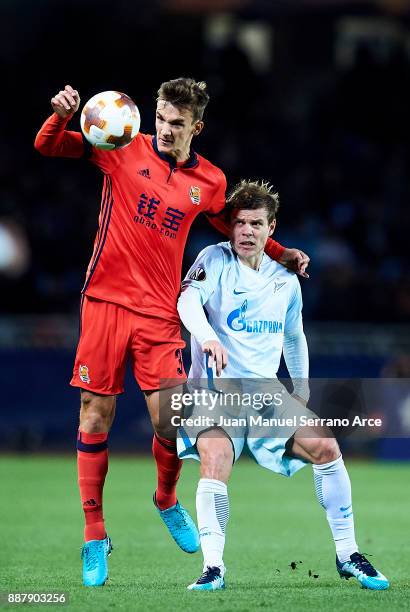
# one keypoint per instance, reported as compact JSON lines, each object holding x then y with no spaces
{"x":112,"y":334}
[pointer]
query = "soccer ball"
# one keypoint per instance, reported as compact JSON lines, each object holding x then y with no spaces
{"x":110,"y":120}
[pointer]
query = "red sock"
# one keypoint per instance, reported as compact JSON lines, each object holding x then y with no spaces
{"x":168,"y":470}
{"x":92,"y":462}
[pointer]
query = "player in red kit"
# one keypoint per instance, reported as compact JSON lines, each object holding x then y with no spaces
{"x":153,"y":190}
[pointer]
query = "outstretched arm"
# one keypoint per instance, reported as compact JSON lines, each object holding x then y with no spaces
{"x":53,"y":140}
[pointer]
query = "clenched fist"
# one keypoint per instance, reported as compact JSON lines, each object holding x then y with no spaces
{"x":66,"y":102}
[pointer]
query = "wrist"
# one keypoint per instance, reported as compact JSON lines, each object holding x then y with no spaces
{"x":208,"y":339}
{"x":207,"y":336}
{"x":61,"y":120}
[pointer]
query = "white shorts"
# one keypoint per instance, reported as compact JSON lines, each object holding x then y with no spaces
{"x":245,"y":425}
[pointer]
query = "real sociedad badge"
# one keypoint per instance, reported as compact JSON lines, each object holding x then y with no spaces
{"x":195,"y":195}
{"x":83,"y":373}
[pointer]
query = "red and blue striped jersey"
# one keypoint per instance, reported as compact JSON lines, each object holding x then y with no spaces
{"x":148,"y":205}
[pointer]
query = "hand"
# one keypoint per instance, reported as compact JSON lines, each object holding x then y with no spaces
{"x":66,"y":102}
{"x":217,"y":354}
{"x":295,"y":260}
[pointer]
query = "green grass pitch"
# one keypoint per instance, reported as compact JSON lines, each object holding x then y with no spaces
{"x":274,"y":521}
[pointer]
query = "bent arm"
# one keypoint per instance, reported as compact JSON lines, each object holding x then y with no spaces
{"x":296,"y":354}
{"x":53,"y":140}
{"x":193,"y":316}
{"x":272,"y":248}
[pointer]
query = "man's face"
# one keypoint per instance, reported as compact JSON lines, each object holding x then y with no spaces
{"x":175,"y":128}
{"x":250,"y":230}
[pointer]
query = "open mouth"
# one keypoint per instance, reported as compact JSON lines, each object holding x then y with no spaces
{"x":247,"y":244}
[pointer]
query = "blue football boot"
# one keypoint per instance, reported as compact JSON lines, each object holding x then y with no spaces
{"x":95,"y":567}
{"x":211,"y":580}
{"x":181,"y":527}
{"x":361,"y":569}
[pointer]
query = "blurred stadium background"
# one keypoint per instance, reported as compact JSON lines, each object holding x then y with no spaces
{"x":312,"y":95}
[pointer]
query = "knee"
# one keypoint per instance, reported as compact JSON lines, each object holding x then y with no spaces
{"x":96,"y":413}
{"x":160,"y":414}
{"x":163,"y":427}
{"x":216,"y":458}
{"x":156,"y":424}
{"x":327,"y":450}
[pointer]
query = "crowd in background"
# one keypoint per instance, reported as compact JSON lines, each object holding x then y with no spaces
{"x":333,"y":139}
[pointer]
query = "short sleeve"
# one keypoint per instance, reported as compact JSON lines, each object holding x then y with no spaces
{"x":205,"y":272}
{"x":217,"y":202}
{"x":294,"y":320}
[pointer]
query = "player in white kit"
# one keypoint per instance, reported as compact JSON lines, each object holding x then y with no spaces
{"x":243,"y":310}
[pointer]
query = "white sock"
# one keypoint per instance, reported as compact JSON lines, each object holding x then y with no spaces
{"x":333,"y":490}
{"x":212,"y":507}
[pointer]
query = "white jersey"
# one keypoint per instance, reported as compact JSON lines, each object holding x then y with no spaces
{"x":248,"y":309}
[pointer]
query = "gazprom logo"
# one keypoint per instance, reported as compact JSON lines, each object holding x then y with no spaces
{"x":237,"y":321}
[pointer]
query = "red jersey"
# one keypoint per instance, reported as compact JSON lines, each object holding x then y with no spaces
{"x":148,"y":205}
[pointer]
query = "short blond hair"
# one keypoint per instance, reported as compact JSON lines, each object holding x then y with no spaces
{"x":252,"y":195}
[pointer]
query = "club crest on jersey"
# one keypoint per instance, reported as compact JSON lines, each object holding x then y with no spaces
{"x":278,"y":286}
{"x":198,"y":274}
{"x":83,"y":373}
{"x":195,"y":195}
